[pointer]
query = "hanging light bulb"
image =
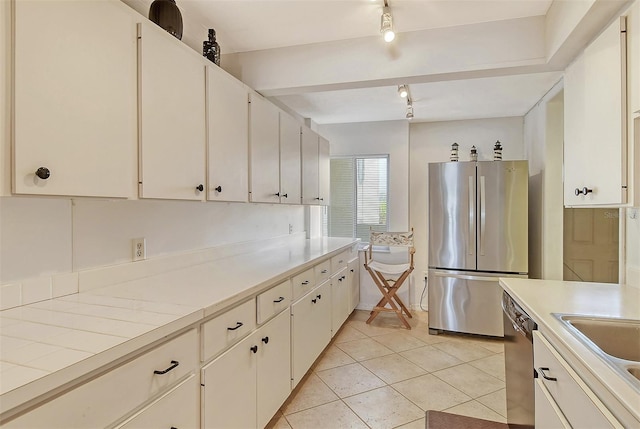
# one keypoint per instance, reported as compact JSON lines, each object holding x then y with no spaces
{"x":386,"y":25}
{"x":403,"y":91}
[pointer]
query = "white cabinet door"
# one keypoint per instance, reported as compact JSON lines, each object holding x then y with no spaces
{"x":274,"y":366}
{"x":229,"y":387}
{"x":310,"y":171}
{"x":324,"y":171}
{"x":172,"y":117}
{"x":547,"y":413}
{"x":290,"y":180}
{"x":595,"y":116}
{"x":227,"y":137}
{"x":353,"y":276}
{"x":264,"y":151}
{"x":340,"y":296}
{"x":75,"y":99}
{"x":310,"y":329}
{"x":179,"y":408}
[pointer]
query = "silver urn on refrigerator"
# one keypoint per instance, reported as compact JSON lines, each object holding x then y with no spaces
{"x":478,"y":232}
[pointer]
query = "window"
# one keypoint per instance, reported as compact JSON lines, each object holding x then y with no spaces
{"x":359,"y":197}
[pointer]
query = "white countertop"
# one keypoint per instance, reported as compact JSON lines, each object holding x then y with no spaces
{"x":542,"y":298}
{"x":48,"y":344}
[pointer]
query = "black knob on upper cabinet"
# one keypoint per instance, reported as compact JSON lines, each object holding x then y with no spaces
{"x":265,"y":340}
{"x":218,"y":188}
{"x":200,"y":187}
{"x":277,"y":194}
{"x":285,"y":195}
{"x":43,"y":173}
{"x":254,"y":349}
{"x":586,"y":190}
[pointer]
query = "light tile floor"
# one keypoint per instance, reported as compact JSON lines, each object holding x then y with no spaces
{"x":383,"y":376}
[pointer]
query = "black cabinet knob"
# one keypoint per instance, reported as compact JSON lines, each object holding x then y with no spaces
{"x":265,"y":340}
{"x":319,"y":296}
{"x":583,"y":191}
{"x":314,"y":300}
{"x":277,"y":194}
{"x":218,"y":188}
{"x":43,"y":173}
{"x":254,"y":349}
{"x":200,"y":187}
{"x":285,"y":195}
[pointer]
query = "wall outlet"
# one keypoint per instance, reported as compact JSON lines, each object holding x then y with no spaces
{"x":290,"y":228}
{"x":139,"y":249}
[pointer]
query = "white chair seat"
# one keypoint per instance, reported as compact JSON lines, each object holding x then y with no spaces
{"x":388,"y":268}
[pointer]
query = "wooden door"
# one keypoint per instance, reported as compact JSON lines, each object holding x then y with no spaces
{"x":227,"y":137}
{"x":591,"y":245}
{"x":264,"y":151}
{"x":172,"y":117}
{"x":274,"y":366}
{"x":290,"y":180}
{"x":229,"y":388}
{"x":75,"y":99}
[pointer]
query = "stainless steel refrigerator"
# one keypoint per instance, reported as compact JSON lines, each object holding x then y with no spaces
{"x":478,"y":231}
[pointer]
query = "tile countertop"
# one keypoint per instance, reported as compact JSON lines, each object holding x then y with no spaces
{"x":542,"y":298}
{"x":48,"y":344}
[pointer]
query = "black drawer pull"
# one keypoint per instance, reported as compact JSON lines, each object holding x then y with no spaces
{"x":279,"y":299}
{"x":541,"y":370}
{"x":306,"y":282}
{"x":238,"y":325}
{"x":254,"y":349}
{"x":265,"y":340}
{"x":314,"y":300}
{"x":174,"y":363}
{"x":323,"y":271}
{"x":352,"y":271}
{"x":319,"y":296}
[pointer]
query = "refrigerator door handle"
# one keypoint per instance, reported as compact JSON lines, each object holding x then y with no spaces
{"x":465,"y":277}
{"x":483,"y":213}
{"x":471,"y":245}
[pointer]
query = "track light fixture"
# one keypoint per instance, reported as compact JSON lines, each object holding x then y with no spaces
{"x":386,"y":23}
{"x":409,"y":114}
{"x":403,"y":91}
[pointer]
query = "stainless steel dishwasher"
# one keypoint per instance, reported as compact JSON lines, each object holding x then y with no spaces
{"x":518,"y":357}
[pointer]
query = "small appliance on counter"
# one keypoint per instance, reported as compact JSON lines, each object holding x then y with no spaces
{"x":478,"y":232}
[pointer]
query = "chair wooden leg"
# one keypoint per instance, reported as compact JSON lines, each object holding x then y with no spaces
{"x":389,"y":296}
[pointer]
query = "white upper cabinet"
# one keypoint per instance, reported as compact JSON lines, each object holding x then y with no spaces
{"x":264,"y":151}
{"x":290,"y":180}
{"x":595,"y":151}
{"x":315,"y":168}
{"x":172,"y":117}
{"x":227,"y":136}
{"x":75,"y":99}
{"x":309,"y":147}
{"x":324,"y":171}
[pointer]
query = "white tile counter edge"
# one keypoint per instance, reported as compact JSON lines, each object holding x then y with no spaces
{"x":542,"y":298}
{"x":239,"y":276}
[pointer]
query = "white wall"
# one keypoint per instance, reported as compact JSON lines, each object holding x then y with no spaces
{"x":543,"y":140}
{"x":379,"y":138}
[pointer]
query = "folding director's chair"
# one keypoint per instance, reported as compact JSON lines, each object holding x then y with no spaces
{"x":390,"y":277}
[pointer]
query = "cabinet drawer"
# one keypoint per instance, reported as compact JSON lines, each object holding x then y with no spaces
{"x":303,"y":283}
{"x":548,"y":415}
{"x":179,"y":408}
{"x":578,"y":403}
{"x":339,"y":261}
{"x":109,"y":397}
{"x":228,"y":328}
{"x":273,"y":301}
{"x":323,"y":271}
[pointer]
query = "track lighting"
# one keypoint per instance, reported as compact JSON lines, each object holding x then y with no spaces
{"x":409,"y":114}
{"x":403,"y":91}
{"x":386,"y":24}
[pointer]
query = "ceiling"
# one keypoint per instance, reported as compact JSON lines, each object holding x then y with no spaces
{"x":463,"y":59}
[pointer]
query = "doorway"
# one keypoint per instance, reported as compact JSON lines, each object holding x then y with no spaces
{"x":591,"y":245}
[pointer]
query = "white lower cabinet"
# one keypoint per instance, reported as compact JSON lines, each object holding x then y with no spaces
{"x":179,"y":408}
{"x":111,"y":396}
{"x":353,"y":277}
{"x":245,"y":386}
{"x":310,"y":329}
{"x":340,"y":296}
{"x":568,"y":395}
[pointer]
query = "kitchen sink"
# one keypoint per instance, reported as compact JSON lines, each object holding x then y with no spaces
{"x":617,"y":341}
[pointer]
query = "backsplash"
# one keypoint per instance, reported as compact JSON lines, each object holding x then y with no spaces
{"x":50,"y":246}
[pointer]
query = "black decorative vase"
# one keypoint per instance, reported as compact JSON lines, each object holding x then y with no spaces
{"x":166,"y":14}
